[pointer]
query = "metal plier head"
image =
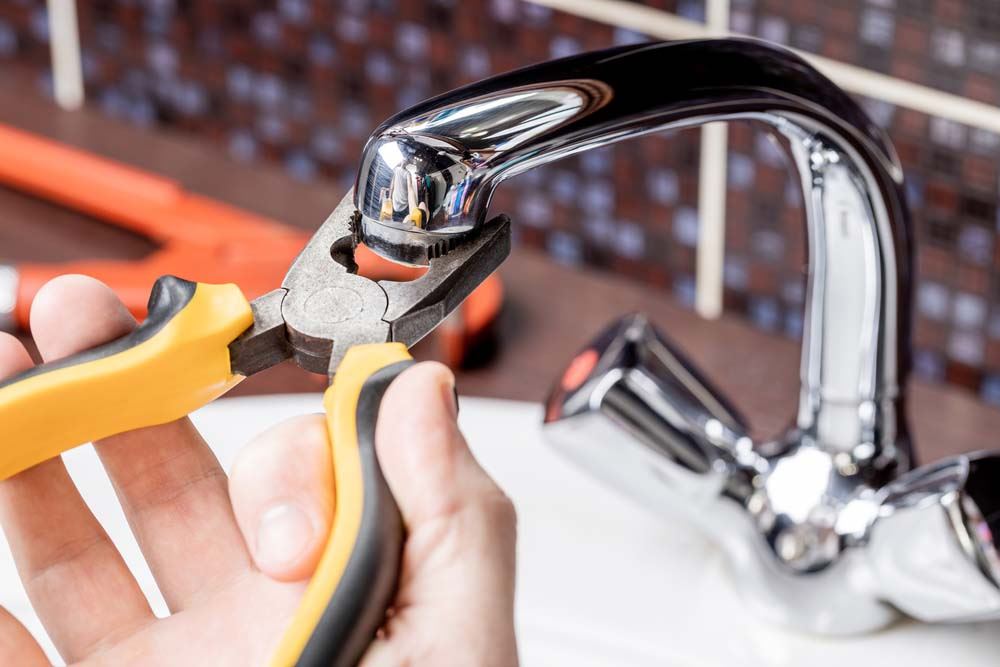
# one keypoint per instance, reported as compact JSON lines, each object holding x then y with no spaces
{"x":323,"y":307}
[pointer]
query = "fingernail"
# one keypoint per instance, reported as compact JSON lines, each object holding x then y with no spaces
{"x":450,"y":397}
{"x":284,"y":534}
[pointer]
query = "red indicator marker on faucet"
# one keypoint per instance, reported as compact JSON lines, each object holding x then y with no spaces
{"x":579,"y":369}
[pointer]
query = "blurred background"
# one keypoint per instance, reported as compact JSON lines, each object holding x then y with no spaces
{"x":299,"y":85}
{"x":264,"y":105}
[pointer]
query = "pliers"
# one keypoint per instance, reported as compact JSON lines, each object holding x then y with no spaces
{"x":201,"y":237}
{"x":200,"y":340}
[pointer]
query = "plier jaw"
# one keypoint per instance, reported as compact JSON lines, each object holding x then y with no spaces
{"x":324,"y":308}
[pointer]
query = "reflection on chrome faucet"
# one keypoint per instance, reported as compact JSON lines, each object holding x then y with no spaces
{"x":405,"y":200}
{"x":828,"y":527}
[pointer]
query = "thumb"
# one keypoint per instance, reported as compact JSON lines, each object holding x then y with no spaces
{"x":424,"y":457}
{"x":281,"y":486}
{"x":458,"y":561}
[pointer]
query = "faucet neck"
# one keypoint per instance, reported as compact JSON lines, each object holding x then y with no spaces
{"x":856,"y":325}
{"x":428,"y":174}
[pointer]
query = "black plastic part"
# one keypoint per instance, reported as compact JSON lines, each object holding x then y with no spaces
{"x":412,"y":253}
{"x":483,"y":347}
{"x":169,"y":296}
{"x":983,"y":486}
{"x":366,"y":589}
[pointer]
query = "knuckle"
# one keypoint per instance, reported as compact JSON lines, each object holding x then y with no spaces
{"x":501,"y":510}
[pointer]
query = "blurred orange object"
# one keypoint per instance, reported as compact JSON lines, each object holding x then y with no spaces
{"x":199,"y":238}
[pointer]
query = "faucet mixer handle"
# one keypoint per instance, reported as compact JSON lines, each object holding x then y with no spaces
{"x":935,"y":546}
{"x":635,"y":412}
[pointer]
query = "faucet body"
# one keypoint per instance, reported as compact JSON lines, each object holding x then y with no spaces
{"x":798,"y":515}
{"x":813,"y":543}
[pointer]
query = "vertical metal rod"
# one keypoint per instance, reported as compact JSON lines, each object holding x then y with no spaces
{"x":711,"y":220}
{"x":712,"y":194}
{"x":64,"y":44}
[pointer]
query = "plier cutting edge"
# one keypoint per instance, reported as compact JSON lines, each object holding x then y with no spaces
{"x":200,"y":340}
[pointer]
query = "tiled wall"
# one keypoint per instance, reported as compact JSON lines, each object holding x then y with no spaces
{"x":951,"y":169}
{"x":303,"y":82}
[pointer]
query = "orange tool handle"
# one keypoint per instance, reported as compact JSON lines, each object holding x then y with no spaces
{"x":151,"y":205}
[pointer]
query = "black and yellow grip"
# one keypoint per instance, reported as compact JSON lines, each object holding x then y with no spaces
{"x":346,"y":599}
{"x":172,"y":364}
{"x":178,"y":361}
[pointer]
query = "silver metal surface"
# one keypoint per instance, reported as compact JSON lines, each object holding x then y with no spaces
{"x":8,"y":297}
{"x":933,"y":548}
{"x":821,"y":534}
{"x":456,"y":149}
{"x":813,"y":544}
{"x":323,"y":307}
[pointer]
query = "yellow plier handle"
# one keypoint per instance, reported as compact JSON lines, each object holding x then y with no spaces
{"x":346,"y":599}
{"x":174,"y":363}
{"x":177,"y":361}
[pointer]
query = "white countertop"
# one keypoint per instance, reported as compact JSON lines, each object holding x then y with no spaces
{"x":601,"y":582}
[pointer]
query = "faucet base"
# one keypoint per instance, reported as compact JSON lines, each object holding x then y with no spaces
{"x":813,"y":542}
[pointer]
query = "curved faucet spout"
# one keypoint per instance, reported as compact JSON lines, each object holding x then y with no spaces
{"x":793,"y":515}
{"x":427,"y":176}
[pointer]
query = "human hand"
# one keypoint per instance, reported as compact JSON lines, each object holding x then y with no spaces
{"x":232,"y":556}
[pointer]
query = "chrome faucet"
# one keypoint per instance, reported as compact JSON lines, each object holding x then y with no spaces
{"x":828,"y":527}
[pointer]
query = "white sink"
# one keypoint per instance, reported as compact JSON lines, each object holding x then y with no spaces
{"x":600,"y":581}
